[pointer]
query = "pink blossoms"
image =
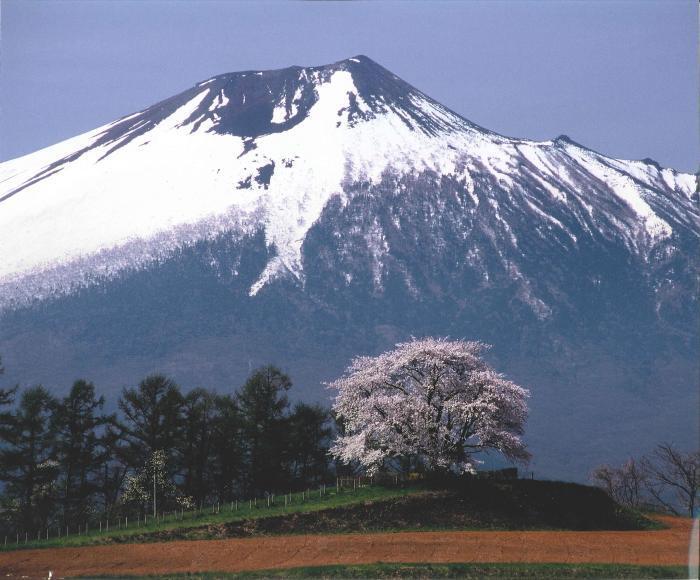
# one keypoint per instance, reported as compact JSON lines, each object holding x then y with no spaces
{"x":434,"y":399}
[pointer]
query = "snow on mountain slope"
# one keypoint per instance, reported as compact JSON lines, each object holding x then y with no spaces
{"x":269,"y":149}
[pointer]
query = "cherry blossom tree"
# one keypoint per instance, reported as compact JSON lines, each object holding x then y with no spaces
{"x":431,"y":398}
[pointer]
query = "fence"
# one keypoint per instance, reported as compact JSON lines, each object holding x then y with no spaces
{"x":106,"y":525}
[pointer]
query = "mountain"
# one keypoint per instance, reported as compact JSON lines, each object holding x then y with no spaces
{"x":305,"y":215}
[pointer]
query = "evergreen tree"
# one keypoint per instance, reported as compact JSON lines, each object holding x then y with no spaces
{"x":27,"y":460}
{"x":114,"y":467}
{"x":152,"y":420}
{"x":309,"y":438}
{"x":78,"y":424}
{"x":226,"y":465}
{"x":263,"y":405}
{"x":7,"y":399}
{"x":199,"y":410}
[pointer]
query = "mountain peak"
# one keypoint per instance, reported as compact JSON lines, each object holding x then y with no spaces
{"x":250,"y":104}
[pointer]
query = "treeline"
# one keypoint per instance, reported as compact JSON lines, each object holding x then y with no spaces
{"x":65,"y":459}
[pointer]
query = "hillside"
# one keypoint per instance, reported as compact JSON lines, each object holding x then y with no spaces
{"x":470,"y":505}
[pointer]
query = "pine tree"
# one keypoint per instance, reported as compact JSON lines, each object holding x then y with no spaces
{"x":114,"y":467}
{"x":152,"y":420}
{"x":7,"y":399}
{"x":309,"y":439}
{"x":27,"y":458}
{"x":199,"y":410}
{"x":226,"y":466}
{"x":79,"y":425}
{"x":263,"y":404}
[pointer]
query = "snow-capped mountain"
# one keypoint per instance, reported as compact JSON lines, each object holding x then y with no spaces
{"x":269,"y":149}
{"x":305,"y":215}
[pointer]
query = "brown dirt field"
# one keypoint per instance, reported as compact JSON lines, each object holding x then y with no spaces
{"x":659,"y":547}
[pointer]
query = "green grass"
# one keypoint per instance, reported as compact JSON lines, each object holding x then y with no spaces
{"x":383,"y":570}
{"x":205,"y":518}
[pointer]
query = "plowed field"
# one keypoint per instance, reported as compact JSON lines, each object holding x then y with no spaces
{"x":659,"y":547}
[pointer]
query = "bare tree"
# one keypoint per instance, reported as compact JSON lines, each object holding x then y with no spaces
{"x":624,"y":484}
{"x":672,"y":478}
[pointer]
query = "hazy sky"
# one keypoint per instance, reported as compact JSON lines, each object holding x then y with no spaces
{"x":619,"y":77}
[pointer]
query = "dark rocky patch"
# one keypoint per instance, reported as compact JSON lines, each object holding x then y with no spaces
{"x":265,"y":174}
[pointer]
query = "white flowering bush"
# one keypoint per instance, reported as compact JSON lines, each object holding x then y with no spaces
{"x":434,"y":399}
{"x":138,"y":488}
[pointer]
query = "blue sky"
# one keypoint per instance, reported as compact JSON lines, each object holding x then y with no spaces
{"x":619,"y":77}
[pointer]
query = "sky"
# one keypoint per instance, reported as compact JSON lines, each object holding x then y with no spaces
{"x":618,"y":77}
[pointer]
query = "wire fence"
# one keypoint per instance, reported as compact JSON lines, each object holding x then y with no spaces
{"x":110,"y":525}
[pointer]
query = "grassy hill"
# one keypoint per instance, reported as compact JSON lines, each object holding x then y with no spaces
{"x":468,"y":505}
{"x":477,"y":505}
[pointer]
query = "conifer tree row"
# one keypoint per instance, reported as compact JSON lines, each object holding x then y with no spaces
{"x":67,"y":459}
